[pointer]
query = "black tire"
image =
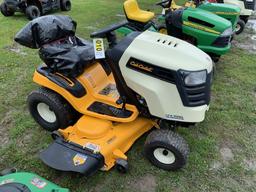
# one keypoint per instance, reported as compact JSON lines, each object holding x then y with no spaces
{"x":240,"y":26}
{"x":65,"y":5}
{"x":50,"y":110}
{"x":8,"y":171}
{"x":5,"y":11}
{"x":169,"y":144}
{"x":32,"y":12}
{"x":122,"y":166}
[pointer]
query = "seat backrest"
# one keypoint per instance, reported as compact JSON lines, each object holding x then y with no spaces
{"x":131,"y":7}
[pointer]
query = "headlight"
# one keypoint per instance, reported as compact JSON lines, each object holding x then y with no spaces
{"x":194,"y":78}
{"x":227,"y":32}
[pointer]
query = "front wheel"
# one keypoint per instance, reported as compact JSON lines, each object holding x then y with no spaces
{"x":5,"y":11}
{"x":65,"y":5}
{"x":49,"y":109}
{"x":166,"y":150}
{"x":33,"y":12}
{"x":240,"y":26}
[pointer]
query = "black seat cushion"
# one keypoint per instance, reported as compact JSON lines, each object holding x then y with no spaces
{"x":68,"y":56}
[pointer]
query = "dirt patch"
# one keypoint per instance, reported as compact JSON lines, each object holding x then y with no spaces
{"x":250,"y":164}
{"x":247,"y":40}
{"x":226,"y":155}
{"x":24,"y":141}
{"x":15,"y":48}
{"x":215,"y":166}
{"x":146,"y":183}
{"x":5,"y":124}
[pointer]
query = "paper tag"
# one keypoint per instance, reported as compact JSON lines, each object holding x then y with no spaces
{"x":99,"y":51}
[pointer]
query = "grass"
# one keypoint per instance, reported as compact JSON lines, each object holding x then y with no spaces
{"x":223,"y":147}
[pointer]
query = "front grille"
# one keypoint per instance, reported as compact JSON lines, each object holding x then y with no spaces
{"x":222,"y":41}
{"x":193,"y":96}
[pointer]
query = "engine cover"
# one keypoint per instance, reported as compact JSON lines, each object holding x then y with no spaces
{"x":162,"y":96}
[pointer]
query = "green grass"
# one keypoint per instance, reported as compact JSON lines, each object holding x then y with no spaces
{"x":230,"y":122}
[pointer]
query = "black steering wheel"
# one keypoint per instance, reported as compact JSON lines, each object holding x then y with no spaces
{"x":108,"y":33}
{"x":165,"y":3}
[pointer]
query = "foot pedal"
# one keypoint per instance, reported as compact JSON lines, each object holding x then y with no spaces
{"x":106,"y":109}
{"x":69,"y":157}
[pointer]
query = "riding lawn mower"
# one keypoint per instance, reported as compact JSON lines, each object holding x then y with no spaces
{"x":227,"y":11}
{"x":209,"y":32}
{"x":13,"y":181}
{"x":247,"y":8}
{"x":145,"y":82}
{"x":33,"y":8}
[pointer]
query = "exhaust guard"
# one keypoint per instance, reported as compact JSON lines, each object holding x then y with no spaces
{"x":64,"y":156}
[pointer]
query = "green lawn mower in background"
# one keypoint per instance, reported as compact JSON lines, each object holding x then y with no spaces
{"x":12,"y":181}
{"x":247,"y":7}
{"x":227,"y":11}
{"x":209,"y":32}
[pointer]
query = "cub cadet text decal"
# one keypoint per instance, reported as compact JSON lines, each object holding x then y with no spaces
{"x":141,"y":66}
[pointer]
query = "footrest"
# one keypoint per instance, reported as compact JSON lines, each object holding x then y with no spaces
{"x":65,"y":156}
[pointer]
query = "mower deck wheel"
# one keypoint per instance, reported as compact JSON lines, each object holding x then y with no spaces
{"x":8,"y":171}
{"x":240,"y":26}
{"x":65,"y":5}
{"x":49,"y":109}
{"x":122,"y":166}
{"x":5,"y":11}
{"x":33,"y":12}
{"x":166,"y":149}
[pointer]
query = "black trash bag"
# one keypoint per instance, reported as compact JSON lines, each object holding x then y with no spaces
{"x":68,"y":56}
{"x":46,"y":29}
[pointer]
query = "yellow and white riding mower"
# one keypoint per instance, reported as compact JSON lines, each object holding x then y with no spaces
{"x":146,"y":82}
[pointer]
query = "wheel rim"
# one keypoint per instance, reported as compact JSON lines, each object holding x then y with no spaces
{"x":46,"y":113}
{"x":164,"y":156}
{"x":34,"y":14}
{"x":238,"y":27}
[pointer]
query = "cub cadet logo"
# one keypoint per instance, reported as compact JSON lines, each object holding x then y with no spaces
{"x":141,"y":66}
{"x":79,"y":159}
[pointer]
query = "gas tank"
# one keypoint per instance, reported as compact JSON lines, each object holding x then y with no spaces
{"x":151,"y":66}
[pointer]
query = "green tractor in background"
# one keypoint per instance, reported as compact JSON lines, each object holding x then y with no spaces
{"x":247,"y":8}
{"x":209,"y":32}
{"x":227,"y":11}
{"x":11,"y":181}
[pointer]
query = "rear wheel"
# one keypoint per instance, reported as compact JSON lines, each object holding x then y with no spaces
{"x":50,"y":110}
{"x":5,"y":11}
{"x":166,"y":150}
{"x":240,"y":26}
{"x":33,"y":12}
{"x":65,"y":5}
